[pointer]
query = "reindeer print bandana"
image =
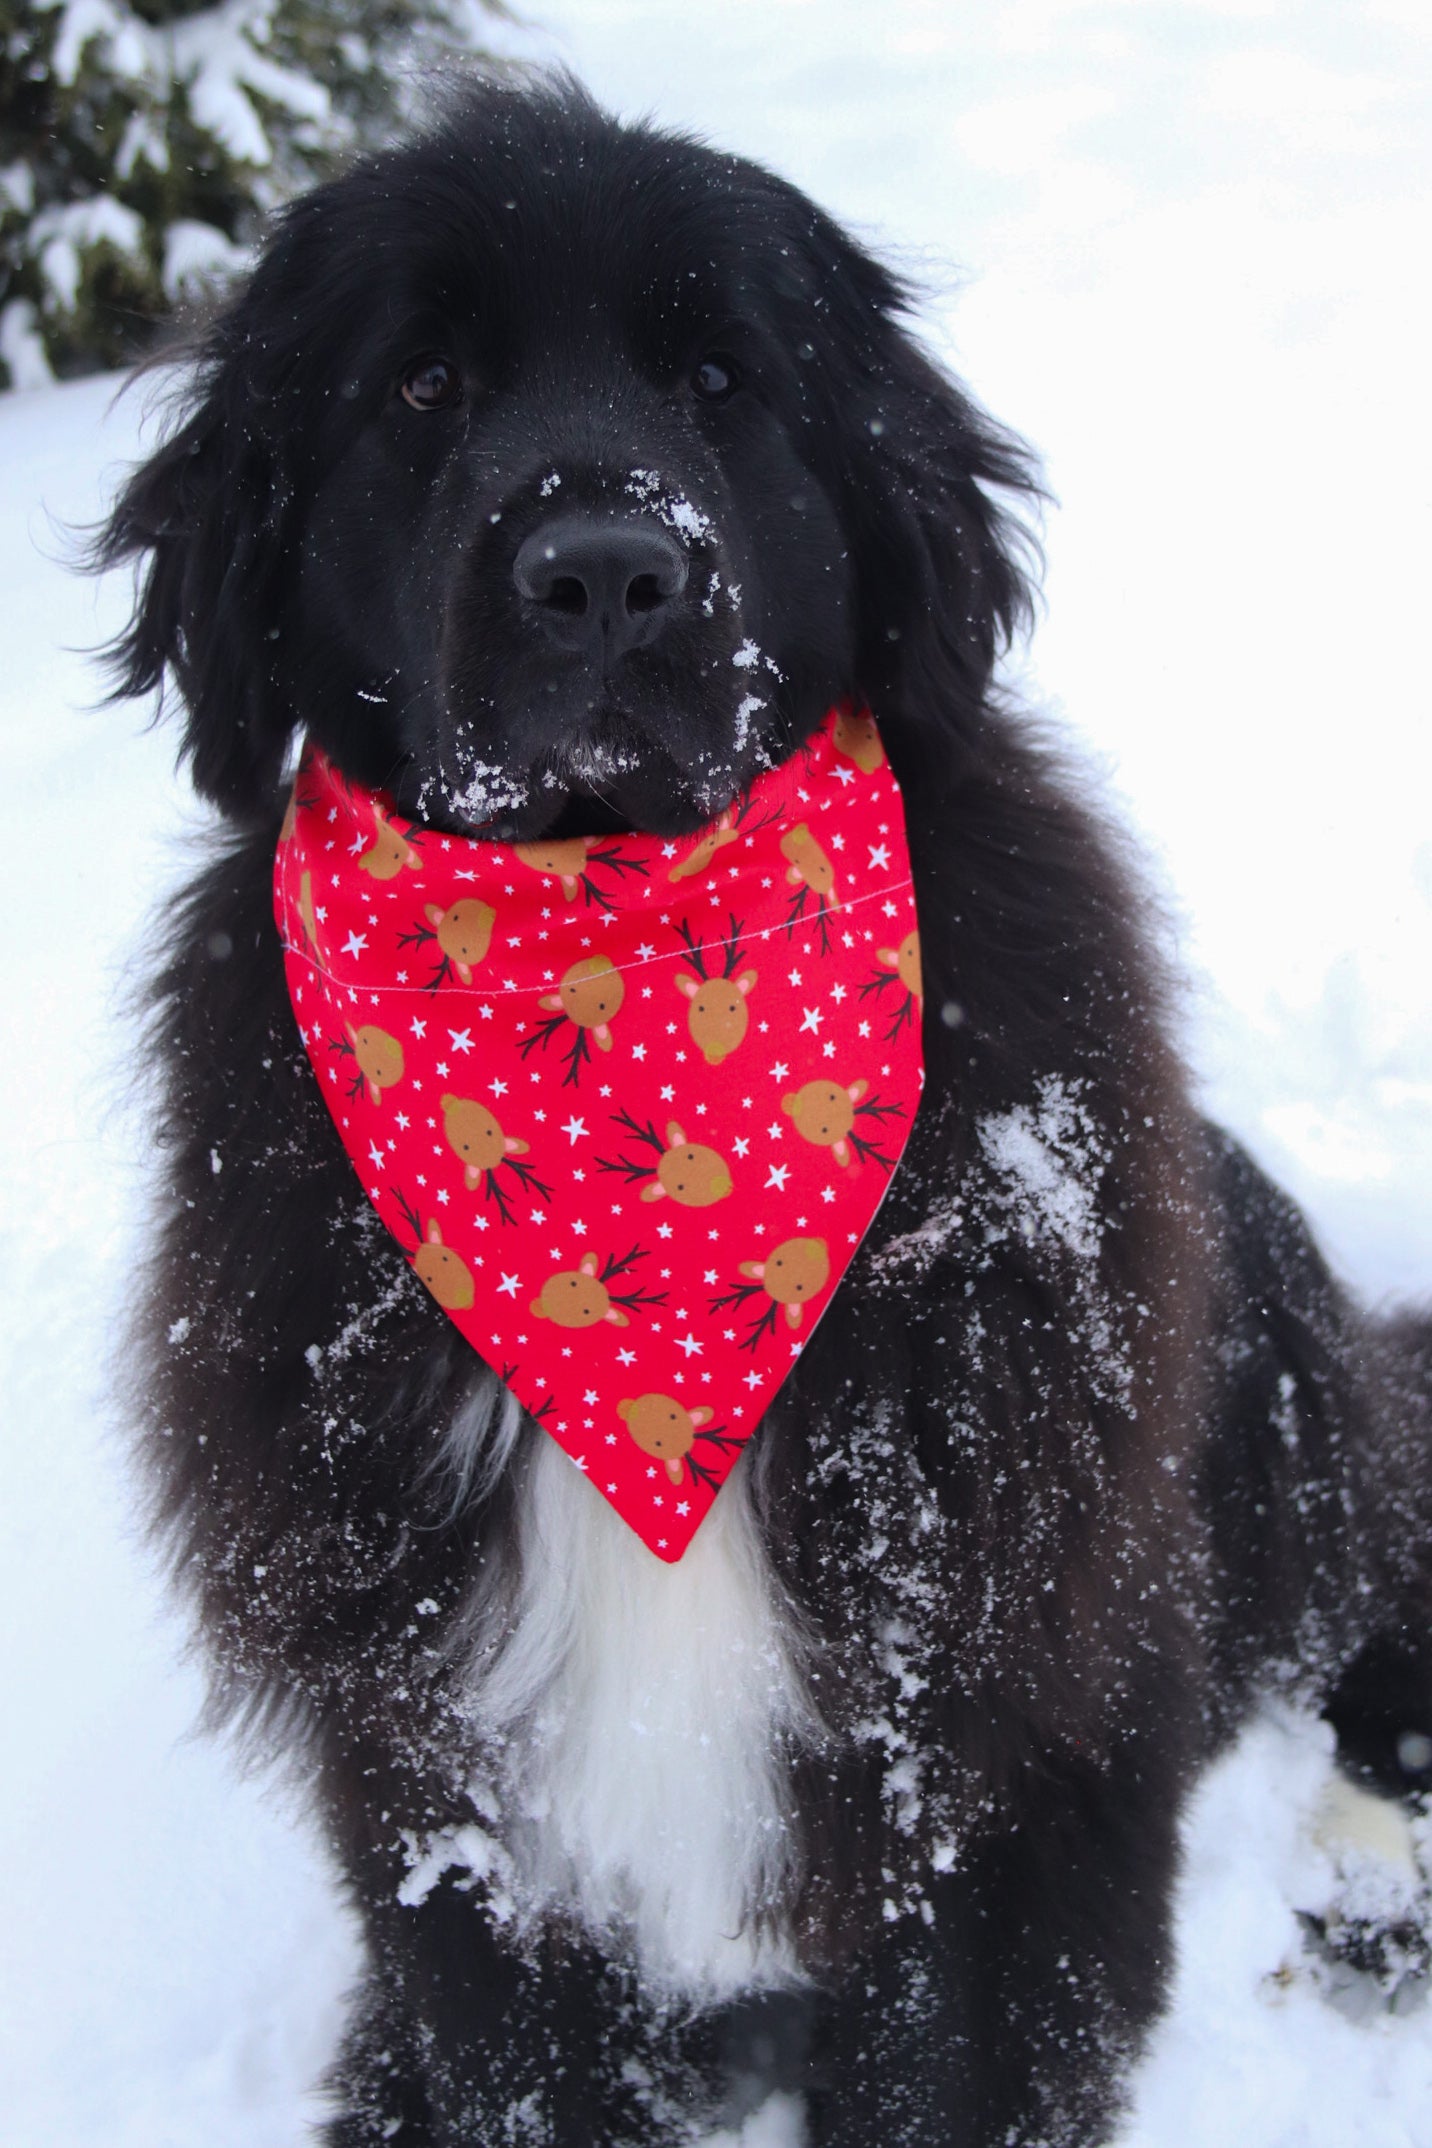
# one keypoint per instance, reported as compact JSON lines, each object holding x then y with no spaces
{"x":629,"y":1106}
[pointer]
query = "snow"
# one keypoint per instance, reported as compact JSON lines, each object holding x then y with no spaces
{"x":218,"y":54}
{"x":1190,"y":232}
{"x":197,"y":255}
{"x":69,"y":228}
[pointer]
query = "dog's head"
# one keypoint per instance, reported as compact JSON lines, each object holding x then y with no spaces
{"x":558,"y":475}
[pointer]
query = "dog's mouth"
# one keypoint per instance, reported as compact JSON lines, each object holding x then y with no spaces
{"x":612,"y":772}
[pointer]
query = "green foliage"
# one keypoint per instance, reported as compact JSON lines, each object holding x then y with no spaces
{"x":142,"y":142}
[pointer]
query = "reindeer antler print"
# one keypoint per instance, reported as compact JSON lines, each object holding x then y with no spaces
{"x":589,"y":997}
{"x":377,"y":1059}
{"x":474,"y":1133}
{"x":579,"y":1297}
{"x":788,"y":1278}
{"x":669,"y":1431}
{"x":899,"y":968}
{"x":462,"y":934}
{"x":812,"y":876}
{"x":580,"y":863}
{"x":829,"y":1116}
{"x":442,"y":1270}
{"x":718,"y":1015}
{"x":687,"y":1171}
{"x":391,"y":851}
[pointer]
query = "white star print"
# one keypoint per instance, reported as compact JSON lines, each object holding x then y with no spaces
{"x":355,"y":943}
{"x":690,"y":1345}
{"x":779,"y":1174}
{"x":461,"y":1039}
{"x":574,"y":1129}
{"x":508,"y":1285}
{"x":811,"y":1019}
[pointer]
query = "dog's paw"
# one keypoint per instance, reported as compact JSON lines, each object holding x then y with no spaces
{"x":1367,"y":1914}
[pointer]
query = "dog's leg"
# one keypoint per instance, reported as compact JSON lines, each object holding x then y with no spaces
{"x":1010,"y":2018}
{"x":1318,"y":1485}
{"x":472,"y":2041}
{"x":376,"y":2083}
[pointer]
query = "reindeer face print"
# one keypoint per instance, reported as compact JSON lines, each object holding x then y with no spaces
{"x":904,"y":960}
{"x":446,"y":1275}
{"x":580,"y":1297}
{"x":473,"y":1133}
{"x":464,"y":933}
{"x":379,"y":1057}
{"x":693,"y":1175}
{"x":809,"y":865}
{"x":565,"y":860}
{"x":795,"y":1272}
{"x":825,"y":1113}
{"x":856,"y":737}
{"x":590,"y":994}
{"x":718,"y":1016}
{"x":389,"y":852}
{"x":663,"y":1428}
{"x":697,"y":860}
{"x":685,"y":1171}
{"x":671,"y":1434}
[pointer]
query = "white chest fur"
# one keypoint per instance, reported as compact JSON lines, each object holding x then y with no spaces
{"x":646,"y":1713}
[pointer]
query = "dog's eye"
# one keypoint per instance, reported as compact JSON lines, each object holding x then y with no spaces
{"x":433,"y":384}
{"x":714,"y":379}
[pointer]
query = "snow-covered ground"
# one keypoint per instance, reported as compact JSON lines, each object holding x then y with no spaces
{"x":1183,"y":247}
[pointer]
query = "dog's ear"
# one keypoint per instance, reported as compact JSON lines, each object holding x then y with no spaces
{"x":205,"y":520}
{"x":943,"y":482}
{"x":930,"y":490}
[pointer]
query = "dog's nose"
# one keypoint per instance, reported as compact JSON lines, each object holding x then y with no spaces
{"x":600,"y":588}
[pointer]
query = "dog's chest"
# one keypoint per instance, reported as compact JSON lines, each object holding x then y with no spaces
{"x":646,"y":1714}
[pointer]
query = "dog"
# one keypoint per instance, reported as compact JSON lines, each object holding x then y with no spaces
{"x":873,"y":1797}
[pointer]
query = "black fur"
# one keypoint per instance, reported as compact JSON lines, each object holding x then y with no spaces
{"x":1104,"y":1493}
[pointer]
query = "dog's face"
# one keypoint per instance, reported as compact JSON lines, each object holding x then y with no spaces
{"x":556,"y":476}
{"x":569,"y":552}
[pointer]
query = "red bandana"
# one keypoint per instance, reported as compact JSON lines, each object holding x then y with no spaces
{"x":629,"y":1106}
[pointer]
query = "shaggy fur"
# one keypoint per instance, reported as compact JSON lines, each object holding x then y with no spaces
{"x":1091,"y":1450}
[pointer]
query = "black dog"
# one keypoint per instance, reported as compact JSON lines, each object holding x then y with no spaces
{"x":1092,"y":1448}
